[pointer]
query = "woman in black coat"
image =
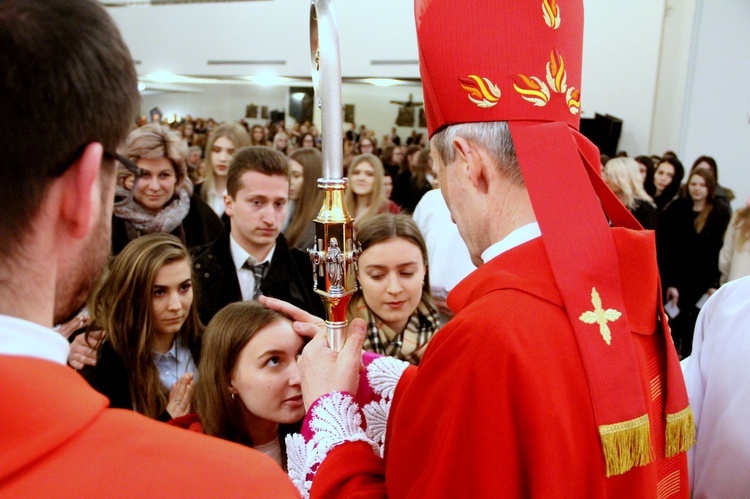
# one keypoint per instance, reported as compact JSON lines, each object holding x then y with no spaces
{"x":689,"y":238}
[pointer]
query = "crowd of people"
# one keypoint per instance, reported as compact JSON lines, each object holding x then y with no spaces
{"x":205,"y":319}
{"x":695,"y":241}
{"x":193,"y":250}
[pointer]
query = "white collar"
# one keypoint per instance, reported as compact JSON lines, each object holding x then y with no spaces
{"x":172,"y":352}
{"x":28,"y":339}
{"x":519,"y":236}
{"x":240,"y":256}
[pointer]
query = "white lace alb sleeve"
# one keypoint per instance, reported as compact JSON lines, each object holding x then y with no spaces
{"x":335,"y":418}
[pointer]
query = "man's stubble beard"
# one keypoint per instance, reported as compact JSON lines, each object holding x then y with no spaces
{"x":75,"y":285}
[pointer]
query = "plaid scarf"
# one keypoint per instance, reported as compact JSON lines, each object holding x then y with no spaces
{"x":410,"y":344}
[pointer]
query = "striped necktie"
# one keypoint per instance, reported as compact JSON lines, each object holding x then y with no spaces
{"x":259,"y":272}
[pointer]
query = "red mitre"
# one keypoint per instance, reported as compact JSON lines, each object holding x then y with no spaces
{"x":520,"y":61}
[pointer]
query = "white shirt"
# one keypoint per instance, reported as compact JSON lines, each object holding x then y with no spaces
{"x":447,"y":253}
{"x":716,"y":376}
{"x":519,"y":236}
{"x":272,"y":448}
{"x":215,"y":200}
{"x":245,"y":277}
{"x":27,"y":339}
{"x":174,"y":364}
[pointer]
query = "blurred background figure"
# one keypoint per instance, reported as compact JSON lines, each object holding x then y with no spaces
{"x":734,"y":259}
{"x":689,"y":237}
{"x":723,"y":194}
{"x":622,"y":175}
{"x":306,"y":165}
{"x":364,"y":195}
{"x":665,"y":183}
{"x":223,"y":142}
{"x":281,"y":142}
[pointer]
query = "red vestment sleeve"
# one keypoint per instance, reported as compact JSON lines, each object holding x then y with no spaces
{"x":350,"y":470}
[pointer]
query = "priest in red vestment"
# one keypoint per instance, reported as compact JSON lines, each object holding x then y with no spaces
{"x":557,"y":376}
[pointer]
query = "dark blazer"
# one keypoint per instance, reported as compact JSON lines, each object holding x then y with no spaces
{"x":200,"y":227}
{"x":111,"y":378}
{"x":289,"y":278}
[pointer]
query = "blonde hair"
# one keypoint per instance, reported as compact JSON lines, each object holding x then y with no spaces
{"x":155,"y":141}
{"x":377,"y":198}
{"x":742,"y":225}
{"x":624,"y":173}
{"x":239,"y":137}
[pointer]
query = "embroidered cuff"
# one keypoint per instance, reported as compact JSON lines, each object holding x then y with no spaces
{"x":332,"y":420}
{"x":336,"y":418}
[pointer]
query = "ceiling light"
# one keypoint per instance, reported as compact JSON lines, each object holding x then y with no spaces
{"x":267,"y":80}
{"x":383,"y":82}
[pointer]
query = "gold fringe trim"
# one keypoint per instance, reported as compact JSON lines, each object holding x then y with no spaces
{"x":626,"y":444}
{"x":680,"y":432}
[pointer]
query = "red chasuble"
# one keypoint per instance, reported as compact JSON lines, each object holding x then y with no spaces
{"x":501,"y":406}
{"x":59,"y":439}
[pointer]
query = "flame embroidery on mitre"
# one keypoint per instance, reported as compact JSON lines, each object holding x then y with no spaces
{"x":482,"y":91}
{"x":556,"y":74}
{"x":573,"y":98}
{"x":533,"y":90}
{"x":551,"y":13}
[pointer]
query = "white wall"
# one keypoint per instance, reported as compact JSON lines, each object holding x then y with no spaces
{"x":674,"y":63}
{"x":717,"y":113}
{"x":183,"y":38}
{"x":620,"y":62}
{"x":676,"y":71}
{"x":621,"y":52}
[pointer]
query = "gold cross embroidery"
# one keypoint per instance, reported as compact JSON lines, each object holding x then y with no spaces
{"x":600,"y":316}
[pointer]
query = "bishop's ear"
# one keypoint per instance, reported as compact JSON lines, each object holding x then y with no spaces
{"x":471,"y":160}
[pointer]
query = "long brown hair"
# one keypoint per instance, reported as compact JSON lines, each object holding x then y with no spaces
{"x":310,"y":197}
{"x":226,"y":335}
{"x":422,"y":169}
{"x":386,"y":226}
{"x":123,"y":308}
{"x":708,"y":177}
{"x":239,"y":137}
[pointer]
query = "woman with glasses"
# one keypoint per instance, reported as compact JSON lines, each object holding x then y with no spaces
{"x":366,"y":145}
{"x":161,"y":198}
